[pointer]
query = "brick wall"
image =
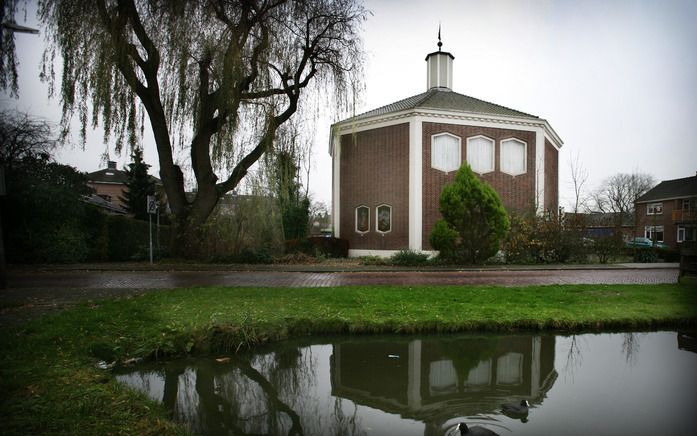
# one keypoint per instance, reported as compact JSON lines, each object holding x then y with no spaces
{"x":670,"y":232}
{"x":374,"y":170}
{"x":517,"y":192}
{"x":551,"y":177}
{"x":115,"y":191}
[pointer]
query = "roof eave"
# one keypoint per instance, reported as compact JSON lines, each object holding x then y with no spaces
{"x":674,"y":197}
{"x":341,"y":126}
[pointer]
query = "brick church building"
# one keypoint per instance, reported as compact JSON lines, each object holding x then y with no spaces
{"x":390,"y":164}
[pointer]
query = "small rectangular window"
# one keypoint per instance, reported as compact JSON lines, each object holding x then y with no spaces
{"x":655,"y":233}
{"x":654,"y":209}
{"x":362,"y":219}
{"x":480,"y":154}
{"x":384,"y":218}
{"x":681,"y":234}
{"x":513,"y":157}
{"x":445,"y":152}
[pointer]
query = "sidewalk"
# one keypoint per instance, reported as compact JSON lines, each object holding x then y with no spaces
{"x":329,"y":266}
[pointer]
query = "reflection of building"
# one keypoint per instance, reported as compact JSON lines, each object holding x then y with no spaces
{"x":687,"y":341}
{"x":433,"y":381}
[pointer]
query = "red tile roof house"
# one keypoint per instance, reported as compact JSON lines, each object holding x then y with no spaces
{"x":110,"y":184}
{"x":389,"y":165}
{"x":668,"y":212}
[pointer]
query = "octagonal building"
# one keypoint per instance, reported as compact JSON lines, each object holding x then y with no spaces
{"x":390,"y":164}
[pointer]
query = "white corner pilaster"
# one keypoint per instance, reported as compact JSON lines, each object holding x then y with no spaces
{"x":415,"y":185}
{"x":336,"y":184}
{"x":540,"y":170}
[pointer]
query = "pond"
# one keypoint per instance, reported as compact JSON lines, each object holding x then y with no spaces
{"x":600,"y":384}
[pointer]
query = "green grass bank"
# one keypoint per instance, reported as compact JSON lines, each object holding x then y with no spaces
{"x":49,"y":383}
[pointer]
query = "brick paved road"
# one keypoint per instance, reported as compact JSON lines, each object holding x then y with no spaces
{"x":174,"y":279}
{"x":33,"y":293}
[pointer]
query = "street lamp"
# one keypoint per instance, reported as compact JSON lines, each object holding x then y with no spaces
{"x":16,"y":28}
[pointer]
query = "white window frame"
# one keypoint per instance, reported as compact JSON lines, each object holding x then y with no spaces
{"x":459,"y":152}
{"x":525,"y":156}
{"x":355,"y":220}
{"x":652,"y":207}
{"x":493,"y":154}
{"x":648,"y":230}
{"x":377,"y":217}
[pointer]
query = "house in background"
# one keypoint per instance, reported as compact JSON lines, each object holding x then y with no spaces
{"x":390,"y":164}
{"x":109,"y":185}
{"x":602,"y":224}
{"x":668,"y":212}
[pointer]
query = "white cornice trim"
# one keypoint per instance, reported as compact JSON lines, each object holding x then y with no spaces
{"x":485,"y":120}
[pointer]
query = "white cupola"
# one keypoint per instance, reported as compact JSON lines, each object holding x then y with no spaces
{"x":439,"y":68}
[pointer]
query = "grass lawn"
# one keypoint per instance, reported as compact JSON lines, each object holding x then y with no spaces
{"x":49,"y":382}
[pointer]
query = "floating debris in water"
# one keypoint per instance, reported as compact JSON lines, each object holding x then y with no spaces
{"x":103,"y":365}
{"x":393,"y":356}
{"x":223,"y":360}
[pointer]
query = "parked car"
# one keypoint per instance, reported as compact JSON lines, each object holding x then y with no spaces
{"x":640,"y":242}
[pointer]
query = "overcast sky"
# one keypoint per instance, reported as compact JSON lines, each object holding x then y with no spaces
{"x":617,"y":80}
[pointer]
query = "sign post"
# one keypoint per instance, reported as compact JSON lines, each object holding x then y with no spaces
{"x":152,"y":209}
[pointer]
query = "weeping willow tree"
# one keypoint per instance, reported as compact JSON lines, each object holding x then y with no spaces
{"x":215,"y":78}
{"x":284,"y":164}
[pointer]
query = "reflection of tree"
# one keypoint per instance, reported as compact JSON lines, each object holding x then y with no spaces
{"x":574,"y":357}
{"x":171,"y":375}
{"x":271,"y":395}
{"x":345,"y":425}
{"x":477,"y":350}
{"x":630,"y":347}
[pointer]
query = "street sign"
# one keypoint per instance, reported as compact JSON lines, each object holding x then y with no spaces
{"x":152,"y":205}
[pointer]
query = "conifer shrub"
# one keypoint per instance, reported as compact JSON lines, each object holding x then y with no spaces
{"x":474,"y":220}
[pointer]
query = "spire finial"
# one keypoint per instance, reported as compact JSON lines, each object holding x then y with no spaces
{"x":440,"y":44}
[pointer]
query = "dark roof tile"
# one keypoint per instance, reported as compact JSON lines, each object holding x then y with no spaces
{"x":108,"y":175}
{"x":667,"y":189}
{"x":444,"y":99}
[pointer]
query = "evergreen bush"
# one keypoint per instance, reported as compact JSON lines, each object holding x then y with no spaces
{"x":474,"y":220}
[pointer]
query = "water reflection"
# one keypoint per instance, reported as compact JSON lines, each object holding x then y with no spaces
{"x":687,"y":341}
{"x":426,"y":385}
{"x":427,"y":380}
{"x":434,"y":381}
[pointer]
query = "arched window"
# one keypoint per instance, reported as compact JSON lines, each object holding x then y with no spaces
{"x":513,"y":157}
{"x":445,"y":152}
{"x":362,"y":219}
{"x":480,"y":154}
{"x":384,"y":218}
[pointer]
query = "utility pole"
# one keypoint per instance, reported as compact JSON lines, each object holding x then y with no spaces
{"x":3,"y":272}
